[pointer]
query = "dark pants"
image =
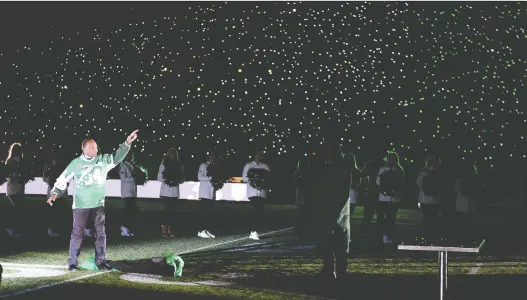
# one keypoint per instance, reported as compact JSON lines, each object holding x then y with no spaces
{"x":208,"y":206}
{"x":301,"y":220}
{"x":386,"y":217}
{"x":370,"y":207}
{"x":430,"y":221}
{"x":130,"y":212}
{"x":81,"y":216}
{"x":334,"y":252}
{"x":11,"y":216}
{"x":170,"y":204}
{"x":257,"y":221}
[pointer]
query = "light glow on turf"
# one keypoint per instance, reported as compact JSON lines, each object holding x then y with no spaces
{"x":156,"y":279}
{"x":16,"y":265}
{"x":24,"y":272}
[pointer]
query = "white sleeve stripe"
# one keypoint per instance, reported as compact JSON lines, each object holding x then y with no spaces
{"x":62,"y":182}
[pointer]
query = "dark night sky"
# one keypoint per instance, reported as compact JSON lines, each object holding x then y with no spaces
{"x":26,"y":23}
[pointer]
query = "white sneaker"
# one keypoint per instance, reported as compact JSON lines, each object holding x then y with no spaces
{"x":212,"y":236}
{"x":385,"y":239}
{"x":203,"y":234}
{"x":126,"y":232}
{"x":52,"y":233}
{"x":254,"y":236}
{"x":12,"y":233}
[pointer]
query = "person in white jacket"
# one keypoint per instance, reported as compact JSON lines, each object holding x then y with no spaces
{"x":390,"y":181}
{"x":171,"y":174}
{"x":128,"y":194}
{"x":429,"y":181}
{"x":256,"y":196}
{"x":206,"y":193}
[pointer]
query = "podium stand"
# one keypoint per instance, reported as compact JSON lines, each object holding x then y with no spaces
{"x":442,"y":261}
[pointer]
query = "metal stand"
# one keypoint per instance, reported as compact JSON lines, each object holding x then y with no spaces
{"x":443,"y":274}
{"x":442,"y":261}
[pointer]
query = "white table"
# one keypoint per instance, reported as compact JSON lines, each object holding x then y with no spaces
{"x":442,"y":260}
{"x":188,"y":190}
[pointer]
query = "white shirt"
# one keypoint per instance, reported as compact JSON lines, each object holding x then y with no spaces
{"x":252,"y":192}
{"x":166,"y":190}
{"x":206,"y":190}
{"x":128,"y":186}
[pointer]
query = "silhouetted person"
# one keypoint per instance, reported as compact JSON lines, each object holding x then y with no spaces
{"x":429,"y":181}
{"x":371,"y":199}
{"x":390,"y":181}
{"x":329,"y":210}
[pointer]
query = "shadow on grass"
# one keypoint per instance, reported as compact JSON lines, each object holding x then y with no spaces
{"x":407,"y":287}
{"x":268,"y":285}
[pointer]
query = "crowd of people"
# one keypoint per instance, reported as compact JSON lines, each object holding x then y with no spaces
{"x":327,"y":192}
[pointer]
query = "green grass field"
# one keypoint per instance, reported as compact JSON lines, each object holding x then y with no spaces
{"x":232,"y":266}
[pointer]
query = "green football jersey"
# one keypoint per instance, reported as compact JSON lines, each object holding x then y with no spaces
{"x":90,"y":177}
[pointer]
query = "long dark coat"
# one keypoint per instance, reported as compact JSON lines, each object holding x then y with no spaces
{"x":327,"y":201}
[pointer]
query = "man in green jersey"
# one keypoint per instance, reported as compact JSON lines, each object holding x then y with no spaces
{"x":90,"y":171}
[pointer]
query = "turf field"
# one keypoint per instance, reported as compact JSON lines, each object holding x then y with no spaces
{"x":278,"y":266}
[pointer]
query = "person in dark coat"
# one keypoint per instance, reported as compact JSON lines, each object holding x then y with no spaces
{"x":329,"y":209}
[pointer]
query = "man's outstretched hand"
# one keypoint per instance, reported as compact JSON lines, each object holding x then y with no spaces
{"x":52,"y":198}
{"x":132,"y":137}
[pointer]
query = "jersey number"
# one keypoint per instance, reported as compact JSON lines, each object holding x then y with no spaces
{"x":93,"y":177}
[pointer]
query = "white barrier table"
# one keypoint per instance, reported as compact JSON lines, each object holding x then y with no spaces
{"x":442,"y":260}
{"x":188,"y":190}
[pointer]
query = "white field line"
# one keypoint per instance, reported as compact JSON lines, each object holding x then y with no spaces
{"x":100,"y":273}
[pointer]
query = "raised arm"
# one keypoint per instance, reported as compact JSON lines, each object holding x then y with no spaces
{"x":112,"y":160}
